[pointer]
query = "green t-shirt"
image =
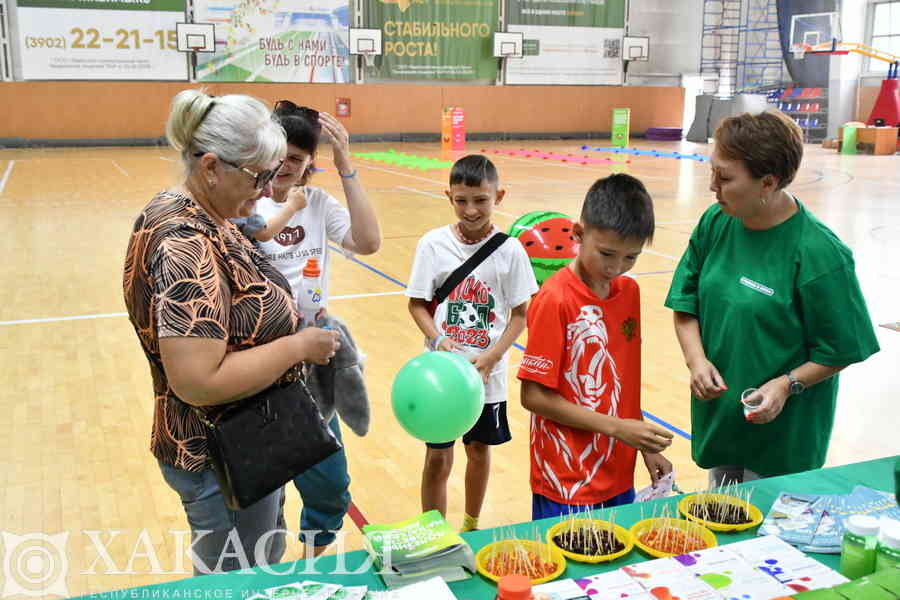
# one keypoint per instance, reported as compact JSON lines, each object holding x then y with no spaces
{"x":767,"y":302}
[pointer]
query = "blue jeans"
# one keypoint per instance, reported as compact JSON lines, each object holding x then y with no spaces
{"x":260,"y":528}
{"x":544,"y":508}
{"x":325,"y":491}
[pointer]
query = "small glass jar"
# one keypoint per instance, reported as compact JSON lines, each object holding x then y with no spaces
{"x":858,"y":546}
{"x":888,"y":554}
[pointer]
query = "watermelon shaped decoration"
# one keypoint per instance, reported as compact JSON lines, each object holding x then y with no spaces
{"x":548,"y":241}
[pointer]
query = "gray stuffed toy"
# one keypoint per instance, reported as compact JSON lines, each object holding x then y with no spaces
{"x":339,"y":385}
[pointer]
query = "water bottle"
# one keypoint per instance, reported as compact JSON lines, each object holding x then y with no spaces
{"x":310,"y":300}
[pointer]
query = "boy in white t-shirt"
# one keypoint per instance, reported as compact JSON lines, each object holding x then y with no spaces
{"x":480,"y":319}
{"x":296,"y":223}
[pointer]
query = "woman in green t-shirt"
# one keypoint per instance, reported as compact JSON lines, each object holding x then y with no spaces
{"x":765,"y":297}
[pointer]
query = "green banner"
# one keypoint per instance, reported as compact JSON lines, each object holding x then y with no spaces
{"x":154,"y":5}
{"x":435,"y":39}
{"x":574,"y":13}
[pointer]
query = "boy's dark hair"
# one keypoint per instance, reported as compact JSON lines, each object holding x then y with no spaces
{"x":472,"y":170}
{"x":622,"y":204}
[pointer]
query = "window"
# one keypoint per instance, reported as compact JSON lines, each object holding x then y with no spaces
{"x":885,"y":32}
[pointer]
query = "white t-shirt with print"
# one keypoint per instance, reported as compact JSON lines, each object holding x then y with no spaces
{"x":476,"y":313}
{"x":306,"y":235}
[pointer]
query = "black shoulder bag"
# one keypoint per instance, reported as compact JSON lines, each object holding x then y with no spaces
{"x":258,"y":444}
{"x":463,"y":271}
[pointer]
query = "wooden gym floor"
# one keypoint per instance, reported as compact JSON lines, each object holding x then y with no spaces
{"x":77,"y":403}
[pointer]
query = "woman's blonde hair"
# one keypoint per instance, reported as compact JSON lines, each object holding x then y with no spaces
{"x":236,"y":128}
{"x":768,"y":143}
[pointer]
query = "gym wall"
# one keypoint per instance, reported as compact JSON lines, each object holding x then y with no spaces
{"x":80,"y":110}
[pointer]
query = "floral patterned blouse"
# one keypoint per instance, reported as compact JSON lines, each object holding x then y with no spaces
{"x":186,"y":276}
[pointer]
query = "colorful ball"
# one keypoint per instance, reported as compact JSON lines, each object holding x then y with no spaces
{"x":548,"y":240}
{"x":437,"y":396}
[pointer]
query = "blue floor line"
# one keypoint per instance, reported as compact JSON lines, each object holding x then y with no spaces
{"x":516,"y":345}
{"x":369,"y":267}
{"x":638,"y":152}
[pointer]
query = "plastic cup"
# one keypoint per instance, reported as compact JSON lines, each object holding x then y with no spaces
{"x":751,"y":402}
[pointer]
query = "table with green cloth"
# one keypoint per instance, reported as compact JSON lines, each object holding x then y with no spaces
{"x":343,"y":568}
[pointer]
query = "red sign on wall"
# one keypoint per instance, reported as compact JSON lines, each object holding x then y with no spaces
{"x":342,"y":107}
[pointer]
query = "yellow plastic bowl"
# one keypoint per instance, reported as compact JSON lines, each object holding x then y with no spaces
{"x":542,"y":550}
{"x":684,"y":507}
{"x":642,"y":527}
{"x":620,"y":532}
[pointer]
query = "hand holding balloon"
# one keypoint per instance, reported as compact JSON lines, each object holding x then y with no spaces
{"x":437,"y":396}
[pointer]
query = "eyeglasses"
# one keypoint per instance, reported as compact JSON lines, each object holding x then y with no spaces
{"x":285,"y":108}
{"x":260,"y":178}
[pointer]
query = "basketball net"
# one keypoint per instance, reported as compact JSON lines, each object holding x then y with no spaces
{"x":799,"y":50}
{"x":369,"y":57}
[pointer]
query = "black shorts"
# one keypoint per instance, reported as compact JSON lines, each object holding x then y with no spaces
{"x":491,"y":428}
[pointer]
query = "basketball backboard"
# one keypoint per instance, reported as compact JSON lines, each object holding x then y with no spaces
{"x":814,"y":31}
{"x":365,"y":41}
{"x":636,"y":48}
{"x":196,"y":37}
{"x":508,"y":44}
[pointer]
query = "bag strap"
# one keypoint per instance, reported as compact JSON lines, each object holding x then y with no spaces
{"x":467,"y":267}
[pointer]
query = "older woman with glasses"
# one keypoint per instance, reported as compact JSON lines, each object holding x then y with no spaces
{"x":297,"y":221}
{"x":215,"y":320}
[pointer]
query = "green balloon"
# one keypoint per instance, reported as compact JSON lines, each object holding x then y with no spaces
{"x":437,"y":396}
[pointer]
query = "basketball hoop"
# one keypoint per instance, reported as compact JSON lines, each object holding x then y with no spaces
{"x":365,"y":42}
{"x":814,"y":33}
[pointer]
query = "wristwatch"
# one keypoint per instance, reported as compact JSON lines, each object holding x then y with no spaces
{"x":796,"y":386}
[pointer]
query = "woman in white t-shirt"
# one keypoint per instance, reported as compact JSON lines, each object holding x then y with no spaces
{"x":297,"y":223}
{"x":299,"y":220}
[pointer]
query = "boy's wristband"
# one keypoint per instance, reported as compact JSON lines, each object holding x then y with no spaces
{"x":350,"y":176}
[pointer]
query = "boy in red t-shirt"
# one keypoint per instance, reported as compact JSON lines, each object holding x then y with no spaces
{"x":581,"y":373}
